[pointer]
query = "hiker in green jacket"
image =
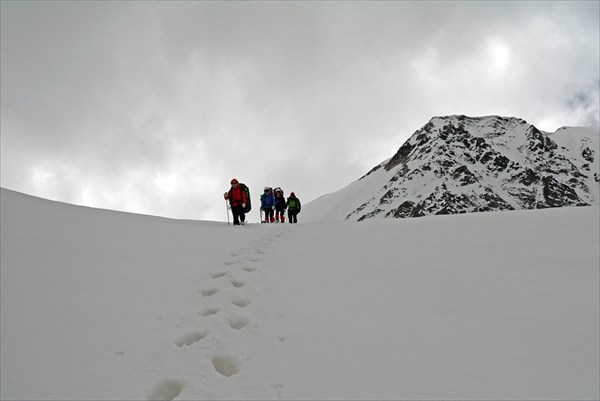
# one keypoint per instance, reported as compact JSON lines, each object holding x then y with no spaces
{"x":293,"y":206}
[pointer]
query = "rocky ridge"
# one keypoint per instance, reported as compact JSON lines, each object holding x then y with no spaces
{"x":460,"y":164}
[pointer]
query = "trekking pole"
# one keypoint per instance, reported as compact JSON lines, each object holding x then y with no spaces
{"x":227,"y":209}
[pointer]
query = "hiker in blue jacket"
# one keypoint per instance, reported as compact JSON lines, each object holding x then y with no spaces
{"x":267,"y":205}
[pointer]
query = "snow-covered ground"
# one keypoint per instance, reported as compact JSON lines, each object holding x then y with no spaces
{"x":98,"y":304}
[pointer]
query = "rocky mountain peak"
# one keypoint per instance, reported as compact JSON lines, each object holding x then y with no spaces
{"x":459,"y":164}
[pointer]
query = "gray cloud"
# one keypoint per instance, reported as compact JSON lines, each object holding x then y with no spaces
{"x":154,"y":106}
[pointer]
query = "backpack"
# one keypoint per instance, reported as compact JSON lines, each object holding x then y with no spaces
{"x":294,"y":204}
{"x":248,"y":202}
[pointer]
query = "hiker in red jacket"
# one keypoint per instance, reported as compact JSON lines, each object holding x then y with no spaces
{"x":237,"y":200}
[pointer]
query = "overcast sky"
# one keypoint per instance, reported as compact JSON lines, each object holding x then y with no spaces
{"x":152,"y":107}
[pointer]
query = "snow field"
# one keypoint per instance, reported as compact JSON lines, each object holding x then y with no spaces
{"x":105,"y":305}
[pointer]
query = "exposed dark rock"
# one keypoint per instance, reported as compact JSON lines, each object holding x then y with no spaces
{"x":527,"y":177}
{"x":557,"y":194}
{"x":464,"y":176}
{"x":540,"y":142}
{"x":588,"y":154}
{"x":494,"y":202}
{"x":407,"y":209}
{"x":400,"y":157}
{"x":387,"y":197}
{"x":370,"y":215}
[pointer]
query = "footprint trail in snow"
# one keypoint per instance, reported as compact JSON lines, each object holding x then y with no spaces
{"x":226,"y":311}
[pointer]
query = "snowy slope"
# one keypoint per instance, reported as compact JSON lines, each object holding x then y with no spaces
{"x":105,"y":305}
{"x":459,"y":164}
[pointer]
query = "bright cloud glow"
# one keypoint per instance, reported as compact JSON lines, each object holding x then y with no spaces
{"x":499,"y":56}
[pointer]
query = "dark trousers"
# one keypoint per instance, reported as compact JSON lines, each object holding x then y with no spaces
{"x":269,"y":213}
{"x":238,"y":214}
{"x":292,"y":216}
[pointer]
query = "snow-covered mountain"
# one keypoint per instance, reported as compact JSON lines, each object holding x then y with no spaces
{"x":459,"y":164}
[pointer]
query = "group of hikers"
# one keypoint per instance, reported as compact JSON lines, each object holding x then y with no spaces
{"x":272,"y":204}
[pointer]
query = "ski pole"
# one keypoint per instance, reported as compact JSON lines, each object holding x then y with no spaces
{"x":227,"y":209}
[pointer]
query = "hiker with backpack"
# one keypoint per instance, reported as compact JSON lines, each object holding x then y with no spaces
{"x":238,"y":201}
{"x":293,"y":206}
{"x":280,"y":205}
{"x":267,"y":204}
